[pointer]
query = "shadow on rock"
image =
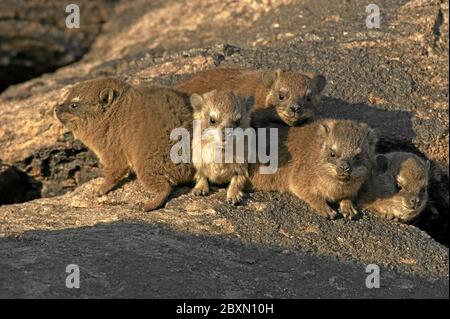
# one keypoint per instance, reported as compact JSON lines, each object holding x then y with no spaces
{"x":395,"y":127}
{"x":150,"y":261}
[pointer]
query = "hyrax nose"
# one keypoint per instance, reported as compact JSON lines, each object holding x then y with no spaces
{"x":296,"y":108}
{"x":414,"y":202}
{"x":345,"y":167}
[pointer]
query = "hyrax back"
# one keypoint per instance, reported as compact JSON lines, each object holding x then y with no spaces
{"x":129,"y":128}
{"x":219,"y":113}
{"x":285,"y":96}
{"x":397,"y":188}
{"x":322,"y":162}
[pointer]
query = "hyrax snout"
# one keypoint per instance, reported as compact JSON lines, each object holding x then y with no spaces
{"x":295,"y":96}
{"x":220,"y":113}
{"x":398,"y":187}
{"x":128,"y":127}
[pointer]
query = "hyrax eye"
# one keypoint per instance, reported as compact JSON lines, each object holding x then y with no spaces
{"x":74,"y":106}
{"x":212,"y":121}
{"x":281,"y":96}
{"x":332,"y":153}
{"x":399,"y":187}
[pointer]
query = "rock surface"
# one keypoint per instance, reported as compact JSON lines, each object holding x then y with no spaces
{"x":268,"y":219}
{"x":395,"y":78}
{"x":129,"y":260}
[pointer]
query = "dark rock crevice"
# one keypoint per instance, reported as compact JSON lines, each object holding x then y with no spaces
{"x":35,"y":40}
{"x":16,"y":186}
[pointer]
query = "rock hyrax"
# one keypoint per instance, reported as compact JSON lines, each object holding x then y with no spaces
{"x":323,"y":163}
{"x":220,"y":112}
{"x":128,"y":127}
{"x":286,"y":96}
{"x":398,"y":187}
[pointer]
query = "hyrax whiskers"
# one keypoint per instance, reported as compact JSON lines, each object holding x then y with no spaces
{"x":128,"y":127}
{"x":322,"y":162}
{"x":220,"y":113}
{"x":285,"y":96}
{"x":397,"y":188}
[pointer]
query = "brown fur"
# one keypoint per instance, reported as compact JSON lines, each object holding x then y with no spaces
{"x":217,"y":111}
{"x":128,"y":128}
{"x":398,"y":186}
{"x":307,"y":168}
{"x":300,"y":91}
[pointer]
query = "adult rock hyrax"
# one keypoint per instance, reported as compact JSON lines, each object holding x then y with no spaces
{"x":219,"y":113}
{"x":323,"y":163}
{"x":286,"y":96}
{"x":398,"y":187}
{"x":128,"y":127}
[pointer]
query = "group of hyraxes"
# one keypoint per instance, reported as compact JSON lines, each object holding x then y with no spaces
{"x":329,"y":164}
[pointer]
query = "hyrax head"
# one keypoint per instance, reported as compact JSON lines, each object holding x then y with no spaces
{"x":346,"y":152}
{"x":222,"y":111}
{"x":88,"y":102}
{"x":409,"y":175}
{"x":294,"y":95}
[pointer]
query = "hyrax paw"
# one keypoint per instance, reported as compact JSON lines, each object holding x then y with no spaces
{"x":328,"y":213}
{"x":200,"y":191}
{"x":235,"y":198}
{"x":348,"y":210}
{"x":332,"y":214}
{"x":151,"y":205}
{"x":104,"y":189}
{"x":389,"y":216}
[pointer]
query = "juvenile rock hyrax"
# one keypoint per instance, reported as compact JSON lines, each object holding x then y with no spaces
{"x":219,"y":113}
{"x":323,"y":163}
{"x":397,"y":188}
{"x":289,"y":97}
{"x":128,"y":127}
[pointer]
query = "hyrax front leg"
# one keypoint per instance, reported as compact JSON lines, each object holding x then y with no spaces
{"x":322,"y":208}
{"x":383,"y":209}
{"x":347,"y":209}
{"x":159,"y":187}
{"x":235,"y":191}
{"x":317,"y":203}
{"x":112,"y":176}
{"x":202,"y":186}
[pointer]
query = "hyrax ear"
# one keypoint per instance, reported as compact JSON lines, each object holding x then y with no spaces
{"x":319,"y":81}
{"x":106,"y":97}
{"x":249,"y":102}
{"x":196,"y":101}
{"x":372,"y":136}
{"x":428,"y":166}
{"x":382,"y":163}
{"x":324,"y":129}
{"x":269,"y":77}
